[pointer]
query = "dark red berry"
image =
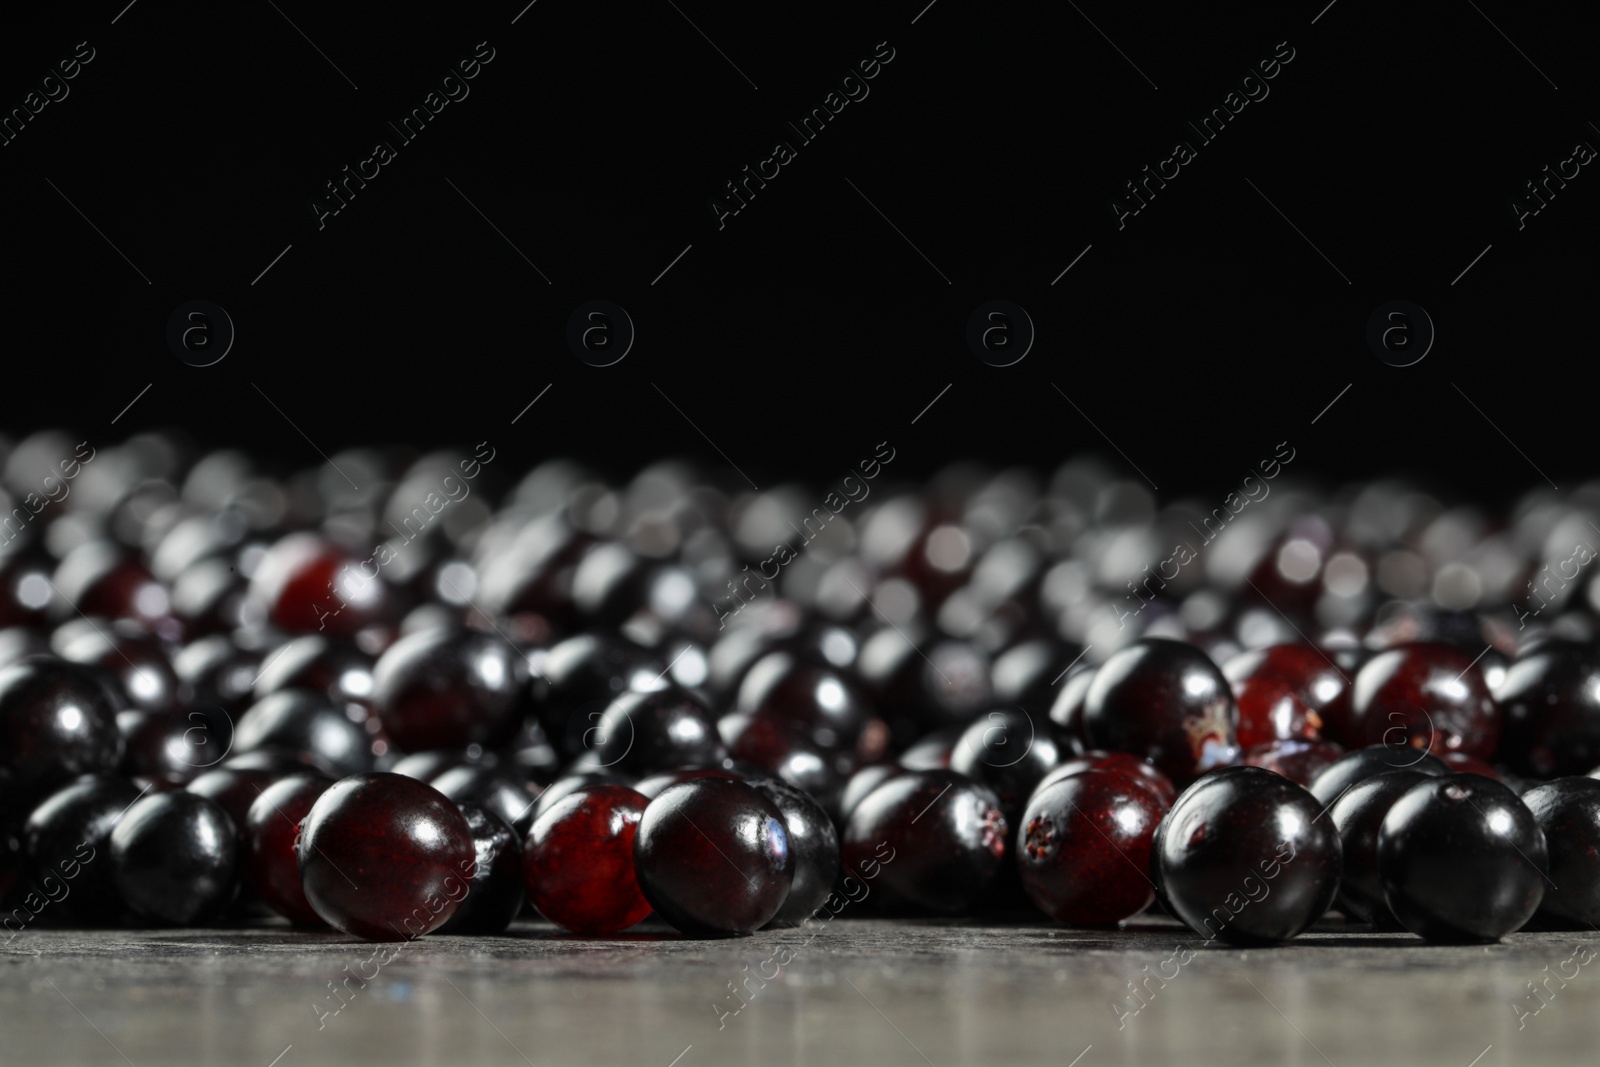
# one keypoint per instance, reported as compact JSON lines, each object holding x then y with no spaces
{"x":1287,"y":692}
{"x":1299,"y":761}
{"x":271,"y":862}
{"x":306,"y":584}
{"x":1428,"y":696}
{"x":713,"y":857}
{"x":1120,"y":763}
{"x":1166,"y":701}
{"x":578,"y":860}
{"x":385,"y":857}
{"x":1085,"y":848}
{"x":100,"y":578}
{"x":440,"y":689}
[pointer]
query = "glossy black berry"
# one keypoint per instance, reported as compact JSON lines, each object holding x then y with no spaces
{"x":66,"y":840}
{"x":1008,"y":751}
{"x":57,"y":721}
{"x":1568,"y":813}
{"x":656,"y":731}
{"x":493,"y":790}
{"x":1357,"y":816}
{"x":1462,"y":859}
{"x":1363,"y":763}
{"x":302,"y":721}
{"x":1245,"y":858}
{"x":930,"y":839}
{"x":174,"y":857}
{"x":815,"y":844}
{"x":579,"y":677}
{"x":496,"y":892}
{"x":1550,"y":698}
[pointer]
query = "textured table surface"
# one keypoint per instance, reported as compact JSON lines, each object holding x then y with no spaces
{"x":861,"y":991}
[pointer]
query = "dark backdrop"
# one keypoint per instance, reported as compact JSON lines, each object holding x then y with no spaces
{"x":826,"y":315}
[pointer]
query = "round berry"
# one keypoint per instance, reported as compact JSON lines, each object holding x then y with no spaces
{"x":1462,"y":859}
{"x":1085,"y":848}
{"x":1246,"y":859}
{"x":578,"y":860}
{"x":385,"y":857}
{"x":713,"y":857}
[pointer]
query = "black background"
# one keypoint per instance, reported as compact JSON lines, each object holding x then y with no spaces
{"x":807,"y":330}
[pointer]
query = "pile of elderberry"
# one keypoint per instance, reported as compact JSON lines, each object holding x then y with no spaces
{"x":399,"y":694}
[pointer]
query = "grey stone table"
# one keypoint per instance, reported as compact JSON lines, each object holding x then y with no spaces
{"x":860,"y":991}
